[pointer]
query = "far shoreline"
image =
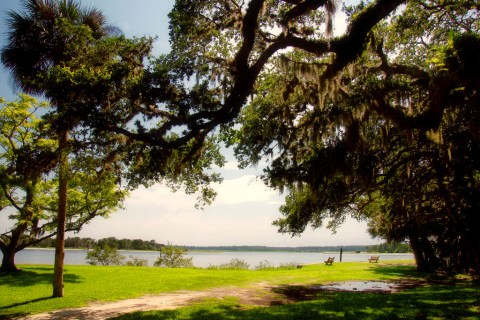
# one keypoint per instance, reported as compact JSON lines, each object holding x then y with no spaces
{"x":219,"y":250}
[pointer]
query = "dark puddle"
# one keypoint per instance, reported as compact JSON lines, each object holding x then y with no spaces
{"x":310,"y":292}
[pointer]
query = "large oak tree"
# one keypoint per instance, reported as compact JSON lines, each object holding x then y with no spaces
{"x":322,"y":108}
{"x":392,"y":138}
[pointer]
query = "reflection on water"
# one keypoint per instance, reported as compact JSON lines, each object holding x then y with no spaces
{"x":205,"y":259}
{"x":370,"y":286}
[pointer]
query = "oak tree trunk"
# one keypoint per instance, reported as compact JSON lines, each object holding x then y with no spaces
{"x":8,"y":260}
{"x":419,"y":254}
{"x":10,"y":249}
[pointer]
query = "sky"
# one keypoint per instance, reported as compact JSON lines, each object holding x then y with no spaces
{"x":244,"y":209}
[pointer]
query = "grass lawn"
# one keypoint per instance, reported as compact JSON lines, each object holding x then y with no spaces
{"x":29,"y":292}
{"x":436,"y":302}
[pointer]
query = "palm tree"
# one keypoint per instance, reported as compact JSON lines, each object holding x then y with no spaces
{"x":39,"y":39}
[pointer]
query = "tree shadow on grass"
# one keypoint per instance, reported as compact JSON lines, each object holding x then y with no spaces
{"x":410,"y":277}
{"x":400,"y":271}
{"x":19,"y":304}
{"x":40,"y":275}
{"x":30,"y":278}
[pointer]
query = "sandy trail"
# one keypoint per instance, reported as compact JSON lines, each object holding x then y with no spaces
{"x":258,"y":295}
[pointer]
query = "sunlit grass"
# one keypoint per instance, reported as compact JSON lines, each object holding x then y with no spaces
{"x":29,"y":291}
{"x":458,"y":301}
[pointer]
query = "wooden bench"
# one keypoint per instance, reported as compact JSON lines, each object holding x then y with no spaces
{"x":373,"y":259}
{"x":329,"y":261}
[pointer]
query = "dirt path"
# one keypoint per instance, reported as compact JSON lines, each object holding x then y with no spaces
{"x":258,"y":294}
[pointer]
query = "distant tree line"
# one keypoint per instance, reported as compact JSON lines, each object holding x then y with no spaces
{"x":390,"y":248}
{"x":382,"y":248}
{"x":138,"y":244}
{"x":112,"y":242}
{"x":280,"y":249}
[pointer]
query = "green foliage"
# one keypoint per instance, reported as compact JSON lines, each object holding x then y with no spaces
{"x":234,"y":264}
{"x":226,"y":48}
{"x":390,"y":248}
{"x":127,"y":244}
{"x":96,"y":82}
{"x":264,"y":265}
{"x":379,"y":123}
{"x":136,"y":262}
{"x":105,"y":256}
{"x":77,"y":242}
{"x":89,"y":243}
{"x":173,"y":257}
{"x":390,"y":139}
{"x":29,"y":185}
{"x":48,"y":43}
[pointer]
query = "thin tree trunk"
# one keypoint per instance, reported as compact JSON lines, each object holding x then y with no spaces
{"x":62,"y":214}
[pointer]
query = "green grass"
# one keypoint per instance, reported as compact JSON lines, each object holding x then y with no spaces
{"x":29,"y":291}
{"x":460,"y":301}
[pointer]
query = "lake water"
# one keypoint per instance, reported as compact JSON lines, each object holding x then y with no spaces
{"x":205,"y":259}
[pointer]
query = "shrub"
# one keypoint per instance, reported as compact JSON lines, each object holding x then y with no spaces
{"x":136,"y":262}
{"x":234,"y":264}
{"x":264,"y":265}
{"x":105,"y":256}
{"x":173,"y":257}
{"x":289,"y":265}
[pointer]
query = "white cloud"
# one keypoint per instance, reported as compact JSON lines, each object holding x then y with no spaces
{"x":159,"y":197}
{"x":247,"y":188}
{"x":242,"y":215}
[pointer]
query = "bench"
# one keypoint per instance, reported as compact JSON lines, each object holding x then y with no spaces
{"x":373,"y":259}
{"x":329,"y":261}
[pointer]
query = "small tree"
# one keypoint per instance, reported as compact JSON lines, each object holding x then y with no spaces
{"x":173,"y":257}
{"x":29,"y":185}
{"x":105,"y":256}
{"x":70,"y":56}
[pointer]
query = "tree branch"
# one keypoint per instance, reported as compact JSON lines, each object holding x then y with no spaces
{"x":301,"y":8}
{"x":10,"y":198}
